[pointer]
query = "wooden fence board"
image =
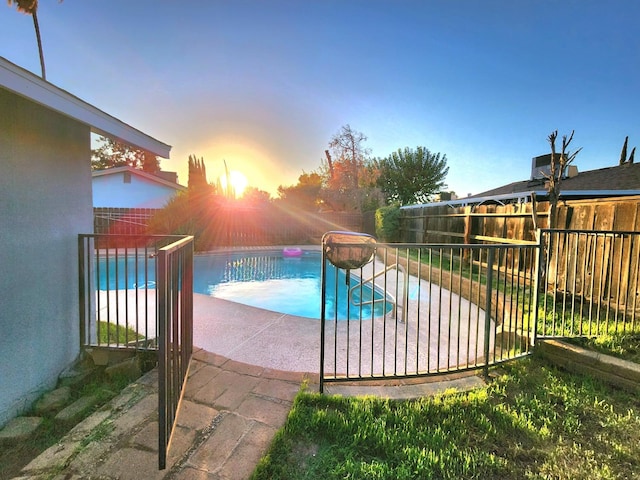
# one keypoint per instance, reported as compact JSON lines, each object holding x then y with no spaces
{"x":512,"y":222}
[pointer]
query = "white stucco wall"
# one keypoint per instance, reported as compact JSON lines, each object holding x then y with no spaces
{"x":111,"y":191}
{"x":45,"y":201}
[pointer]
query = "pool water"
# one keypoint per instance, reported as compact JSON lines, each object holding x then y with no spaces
{"x":265,"y":279}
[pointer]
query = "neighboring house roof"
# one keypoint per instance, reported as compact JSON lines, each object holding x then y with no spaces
{"x":128,"y":187}
{"x":28,"y":85}
{"x":619,"y":180}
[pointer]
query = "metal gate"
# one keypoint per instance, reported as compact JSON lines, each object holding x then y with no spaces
{"x":411,"y":310}
{"x":136,"y":294}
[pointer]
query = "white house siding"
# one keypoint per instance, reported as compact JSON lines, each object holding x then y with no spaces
{"x":45,"y":201}
{"x":112,"y":191}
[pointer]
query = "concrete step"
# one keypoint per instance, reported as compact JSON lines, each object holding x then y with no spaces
{"x":19,"y":429}
{"x":53,"y":400}
{"x":77,"y":410}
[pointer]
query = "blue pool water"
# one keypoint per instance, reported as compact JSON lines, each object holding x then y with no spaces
{"x":264,"y":279}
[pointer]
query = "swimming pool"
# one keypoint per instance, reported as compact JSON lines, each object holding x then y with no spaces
{"x":262,"y":279}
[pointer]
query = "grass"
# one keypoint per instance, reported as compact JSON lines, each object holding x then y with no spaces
{"x":16,"y":456}
{"x":531,"y":422}
{"x":110,"y":333}
{"x":625,"y":345}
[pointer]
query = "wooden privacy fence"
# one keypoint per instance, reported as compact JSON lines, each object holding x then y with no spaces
{"x":241,"y":226}
{"x":594,"y":269}
{"x":470,"y":224}
{"x":590,"y":267}
{"x":513,"y":223}
{"x":272,"y":226}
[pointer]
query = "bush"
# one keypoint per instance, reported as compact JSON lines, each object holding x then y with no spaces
{"x":388,"y":223}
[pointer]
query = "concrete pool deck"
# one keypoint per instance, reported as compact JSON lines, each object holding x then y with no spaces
{"x":255,"y":336}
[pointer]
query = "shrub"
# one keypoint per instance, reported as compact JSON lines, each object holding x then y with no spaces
{"x":388,"y":223}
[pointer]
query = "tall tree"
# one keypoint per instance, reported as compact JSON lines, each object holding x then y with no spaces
{"x":197,"y":174}
{"x":112,"y":153}
{"x":623,"y":153}
{"x":30,"y":7}
{"x":348,"y":159}
{"x":348,"y":179}
{"x":412,"y":176}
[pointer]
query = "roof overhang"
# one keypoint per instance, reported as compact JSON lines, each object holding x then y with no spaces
{"x":32,"y":87}
{"x":141,"y":173}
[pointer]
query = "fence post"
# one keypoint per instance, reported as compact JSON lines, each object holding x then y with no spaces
{"x":82,"y":290}
{"x":487,"y":312}
{"x":536,"y":285}
{"x":161,"y":314}
{"x":323,"y":311}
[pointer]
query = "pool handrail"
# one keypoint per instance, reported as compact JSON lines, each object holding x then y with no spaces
{"x":373,"y":300}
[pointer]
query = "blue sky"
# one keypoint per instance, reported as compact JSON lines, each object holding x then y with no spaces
{"x":265,"y":84}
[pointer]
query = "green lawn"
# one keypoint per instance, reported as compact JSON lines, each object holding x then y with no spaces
{"x":531,"y":422}
{"x":109,"y":333}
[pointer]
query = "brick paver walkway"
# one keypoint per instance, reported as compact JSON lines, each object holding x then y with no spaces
{"x":229,"y":415}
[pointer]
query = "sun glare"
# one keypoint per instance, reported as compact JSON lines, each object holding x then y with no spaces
{"x":237,"y":180}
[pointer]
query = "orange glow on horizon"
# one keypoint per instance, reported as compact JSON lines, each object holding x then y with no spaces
{"x":238,"y":183}
{"x":259,"y":166}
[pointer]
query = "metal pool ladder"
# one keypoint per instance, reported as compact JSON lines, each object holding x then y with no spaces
{"x":371,"y":280}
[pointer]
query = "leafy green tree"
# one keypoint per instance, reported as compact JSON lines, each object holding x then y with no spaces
{"x":112,"y":153}
{"x":30,"y":7}
{"x":305,"y":195}
{"x":254,"y":197}
{"x":412,"y":176}
{"x":387,"y":220}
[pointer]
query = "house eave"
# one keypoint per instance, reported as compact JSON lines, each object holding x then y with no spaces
{"x":32,"y":87}
{"x":140,"y":173}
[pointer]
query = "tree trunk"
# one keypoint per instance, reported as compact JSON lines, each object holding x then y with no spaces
{"x":37,"y":29}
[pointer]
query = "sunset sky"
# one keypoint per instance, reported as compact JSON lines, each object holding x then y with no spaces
{"x":265,"y":84}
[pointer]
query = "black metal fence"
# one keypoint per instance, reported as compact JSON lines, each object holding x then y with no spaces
{"x":175,"y":325}
{"x":136,"y":294}
{"x":590,"y":282}
{"x":426,"y":309}
{"x":117,"y":278}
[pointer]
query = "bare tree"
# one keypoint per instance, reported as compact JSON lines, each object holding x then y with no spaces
{"x":350,"y":155}
{"x":348,"y":181}
{"x":559,"y":164}
{"x":30,"y":7}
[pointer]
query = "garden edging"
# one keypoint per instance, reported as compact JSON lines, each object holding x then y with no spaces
{"x":615,"y":371}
